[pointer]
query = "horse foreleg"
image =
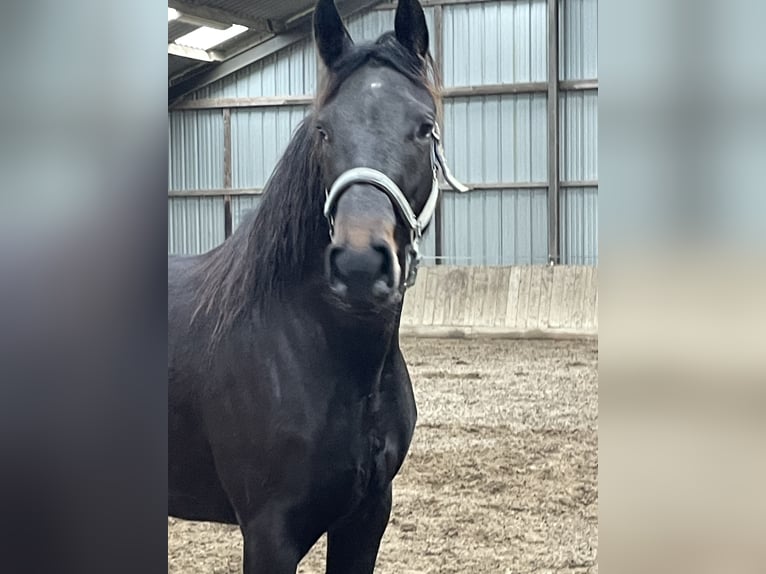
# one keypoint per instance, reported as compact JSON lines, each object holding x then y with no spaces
{"x":352,"y":546}
{"x":268,"y":547}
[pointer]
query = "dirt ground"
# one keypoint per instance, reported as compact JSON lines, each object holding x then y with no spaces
{"x":501,"y":475}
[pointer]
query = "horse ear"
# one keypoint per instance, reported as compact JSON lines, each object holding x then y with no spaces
{"x":410,"y":27}
{"x":331,"y":37}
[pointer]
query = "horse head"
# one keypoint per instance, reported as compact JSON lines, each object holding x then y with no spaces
{"x":377,"y":144}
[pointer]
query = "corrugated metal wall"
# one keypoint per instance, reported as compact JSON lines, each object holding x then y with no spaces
{"x":259,"y":136}
{"x":291,"y":72}
{"x":578,"y":115}
{"x":495,"y":43}
{"x":195,"y":142}
{"x":578,"y":39}
{"x":195,"y":224}
{"x":496,"y":140}
{"x":240,"y":205}
{"x":491,"y":140}
{"x":371,"y":25}
{"x":579,"y":215}
{"x":496,"y":227}
{"x":195,"y":139}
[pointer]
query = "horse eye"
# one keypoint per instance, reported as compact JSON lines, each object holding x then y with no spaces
{"x":425,"y":130}
{"x":322,"y":133}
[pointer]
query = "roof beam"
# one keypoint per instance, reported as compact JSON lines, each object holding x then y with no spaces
{"x":227,"y":67}
{"x":216,"y":17}
{"x":300,"y":29}
{"x":197,"y":21}
{"x":194,"y":53}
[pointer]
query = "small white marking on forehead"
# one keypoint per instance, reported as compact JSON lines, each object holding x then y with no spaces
{"x":376,"y":85}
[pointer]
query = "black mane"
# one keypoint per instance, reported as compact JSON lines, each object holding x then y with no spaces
{"x":279,"y":243}
{"x":269,"y":248}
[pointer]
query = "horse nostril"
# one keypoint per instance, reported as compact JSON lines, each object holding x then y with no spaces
{"x":386,"y":274}
{"x":334,"y":274}
{"x":361,"y":273}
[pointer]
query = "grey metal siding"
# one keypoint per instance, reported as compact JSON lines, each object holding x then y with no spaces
{"x":372,"y":24}
{"x":240,"y":206}
{"x":579,"y":135}
{"x":578,"y":39}
{"x":259,"y":136}
{"x":578,"y":60}
{"x":492,"y":139}
{"x":579,"y":162}
{"x":495,"y":227}
{"x":579,"y":217}
{"x":195,"y":149}
{"x":195,"y":224}
{"x":496,"y":139}
{"x":291,"y":72}
{"x":428,"y":246}
{"x":195,"y":140}
{"x":495,"y":43}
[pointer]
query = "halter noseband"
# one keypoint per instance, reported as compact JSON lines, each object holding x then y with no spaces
{"x":416,"y":223}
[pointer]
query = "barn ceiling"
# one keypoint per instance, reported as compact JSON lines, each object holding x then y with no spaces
{"x":248,"y":29}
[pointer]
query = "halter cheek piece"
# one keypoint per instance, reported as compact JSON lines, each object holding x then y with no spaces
{"x":416,"y":223}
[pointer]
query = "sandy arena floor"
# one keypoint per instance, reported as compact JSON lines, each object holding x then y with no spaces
{"x":501,"y":476}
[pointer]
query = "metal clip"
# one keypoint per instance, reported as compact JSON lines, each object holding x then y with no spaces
{"x":413,"y":261}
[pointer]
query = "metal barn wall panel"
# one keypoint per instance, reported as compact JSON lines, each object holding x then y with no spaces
{"x":495,"y":43}
{"x":579,"y":135}
{"x":195,"y":224}
{"x":372,"y":24}
{"x":293,"y":71}
{"x":579,"y":220}
{"x":195,"y":149}
{"x":259,"y":136}
{"x":579,"y":162}
{"x":290,"y":72}
{"x":578,"y":39}
{"x":495,"y":227}
{"x":491,"y":139}
{"x":428,"y":247}
{"x":240,"y":206}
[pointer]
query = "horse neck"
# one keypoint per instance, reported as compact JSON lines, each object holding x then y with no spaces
{"x":369,"y":338}
{"x":360,"y":345}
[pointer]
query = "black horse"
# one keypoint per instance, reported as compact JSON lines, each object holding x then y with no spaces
{"x":290,"y":405}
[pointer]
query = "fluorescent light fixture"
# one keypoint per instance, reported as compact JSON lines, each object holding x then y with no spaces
{"x":173,"y":14}
{"x":205,"y":38}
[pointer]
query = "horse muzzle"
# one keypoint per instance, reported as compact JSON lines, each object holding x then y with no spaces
{"x":362,"y":274}
{"x":416,"y":223}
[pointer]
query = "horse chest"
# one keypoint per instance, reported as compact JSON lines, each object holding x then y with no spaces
{"x":353,"y":461}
